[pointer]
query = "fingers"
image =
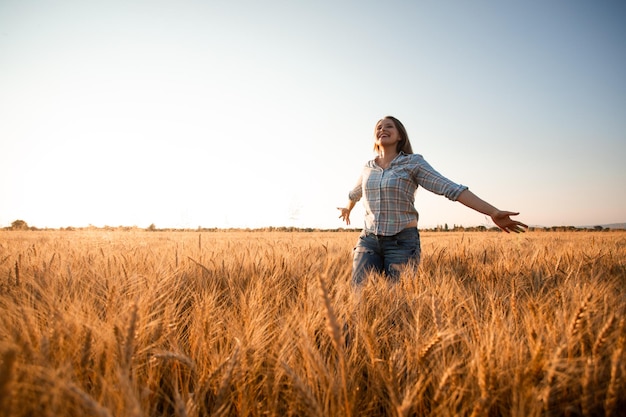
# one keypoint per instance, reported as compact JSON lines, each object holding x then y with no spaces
{"x":345,"y":215}
{"x":506,"y":224}
{"x":515,"y":227}
{"x":503,"y":220}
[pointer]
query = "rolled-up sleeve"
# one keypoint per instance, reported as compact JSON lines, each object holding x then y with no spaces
{"x":433,"y":181}
{"x":357,"y":192}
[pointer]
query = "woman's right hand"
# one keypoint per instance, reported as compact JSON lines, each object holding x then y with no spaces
{"x":345,"y":214}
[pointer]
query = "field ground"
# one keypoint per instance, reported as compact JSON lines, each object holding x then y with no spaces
{"x":266,"y":324}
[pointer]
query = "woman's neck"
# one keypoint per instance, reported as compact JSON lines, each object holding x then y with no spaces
{"x":385,"y":156}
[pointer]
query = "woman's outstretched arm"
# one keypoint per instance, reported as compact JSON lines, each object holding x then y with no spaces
{"x":502,"y":219}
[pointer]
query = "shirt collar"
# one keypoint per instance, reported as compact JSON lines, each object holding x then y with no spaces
{"x":372,"y":163}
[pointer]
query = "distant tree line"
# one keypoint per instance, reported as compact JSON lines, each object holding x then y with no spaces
{"x":22,"y":225}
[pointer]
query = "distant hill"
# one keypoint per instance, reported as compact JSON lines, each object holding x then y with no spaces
{"x":609,"y":226}
{"x":615,"y":226}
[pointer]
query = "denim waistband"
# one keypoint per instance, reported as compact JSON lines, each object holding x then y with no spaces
{"x":383,"y":237}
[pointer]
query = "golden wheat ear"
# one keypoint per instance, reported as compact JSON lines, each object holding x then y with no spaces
{"x":334,"y":330}
{"x":332,"y":323}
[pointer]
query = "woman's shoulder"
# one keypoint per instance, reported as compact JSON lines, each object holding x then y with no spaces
{"x":412,"y":158}
{"x":412,"y":155}
{"x":370,"y":164}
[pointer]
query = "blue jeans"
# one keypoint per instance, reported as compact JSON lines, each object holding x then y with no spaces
{"x":385,"y":254}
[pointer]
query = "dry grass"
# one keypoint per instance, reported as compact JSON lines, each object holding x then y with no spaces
{"x":265,"y":324}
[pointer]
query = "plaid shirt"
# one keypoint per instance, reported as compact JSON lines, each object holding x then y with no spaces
{"x":390,"y":193}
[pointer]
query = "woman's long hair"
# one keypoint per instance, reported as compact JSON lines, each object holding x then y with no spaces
{"x":404,"y":145}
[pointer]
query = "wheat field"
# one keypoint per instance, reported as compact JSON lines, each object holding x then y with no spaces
{"x":138,"y":323}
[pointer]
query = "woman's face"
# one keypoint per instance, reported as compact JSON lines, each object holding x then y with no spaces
{"x":386,"y":133}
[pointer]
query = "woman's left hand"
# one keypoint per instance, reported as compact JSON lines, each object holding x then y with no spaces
{"x":345,"y":214}
{"x":503,"y":220}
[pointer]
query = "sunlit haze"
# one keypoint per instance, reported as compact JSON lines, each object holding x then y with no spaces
{"x":261,"y":113}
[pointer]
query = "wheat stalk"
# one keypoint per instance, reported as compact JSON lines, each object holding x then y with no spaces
{"x":180,"y":407}
{"x":337,"y":339}
{"x":436,"y":315}
{"x":429,"y":347}
{"x":17,"y":274}
{"x":514,"y":301}
{"x":310,"y":402}
{"x":603,"y":335}
{"x":480,"y":407}
{"x":177,"y":357}
{"x":130,"y":339}
{"x":86,"y":351}
{"x":613,"y":392}
{"x":6,"y":374}
{"x":443,"y":387}
{"x":87,"y":401}
{"x":410,"y":398}
{"x":550,"y":376}
{"x":580,"y":316}
{"x":332,"y":323}
{"x":222,"y":391}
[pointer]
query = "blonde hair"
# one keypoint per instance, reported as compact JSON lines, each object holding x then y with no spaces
{"x":404,"y":145}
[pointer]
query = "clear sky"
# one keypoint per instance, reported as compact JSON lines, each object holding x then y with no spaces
{"x":261,"y":113}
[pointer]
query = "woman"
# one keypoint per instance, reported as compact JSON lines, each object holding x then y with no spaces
{"x":388,"y":183}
